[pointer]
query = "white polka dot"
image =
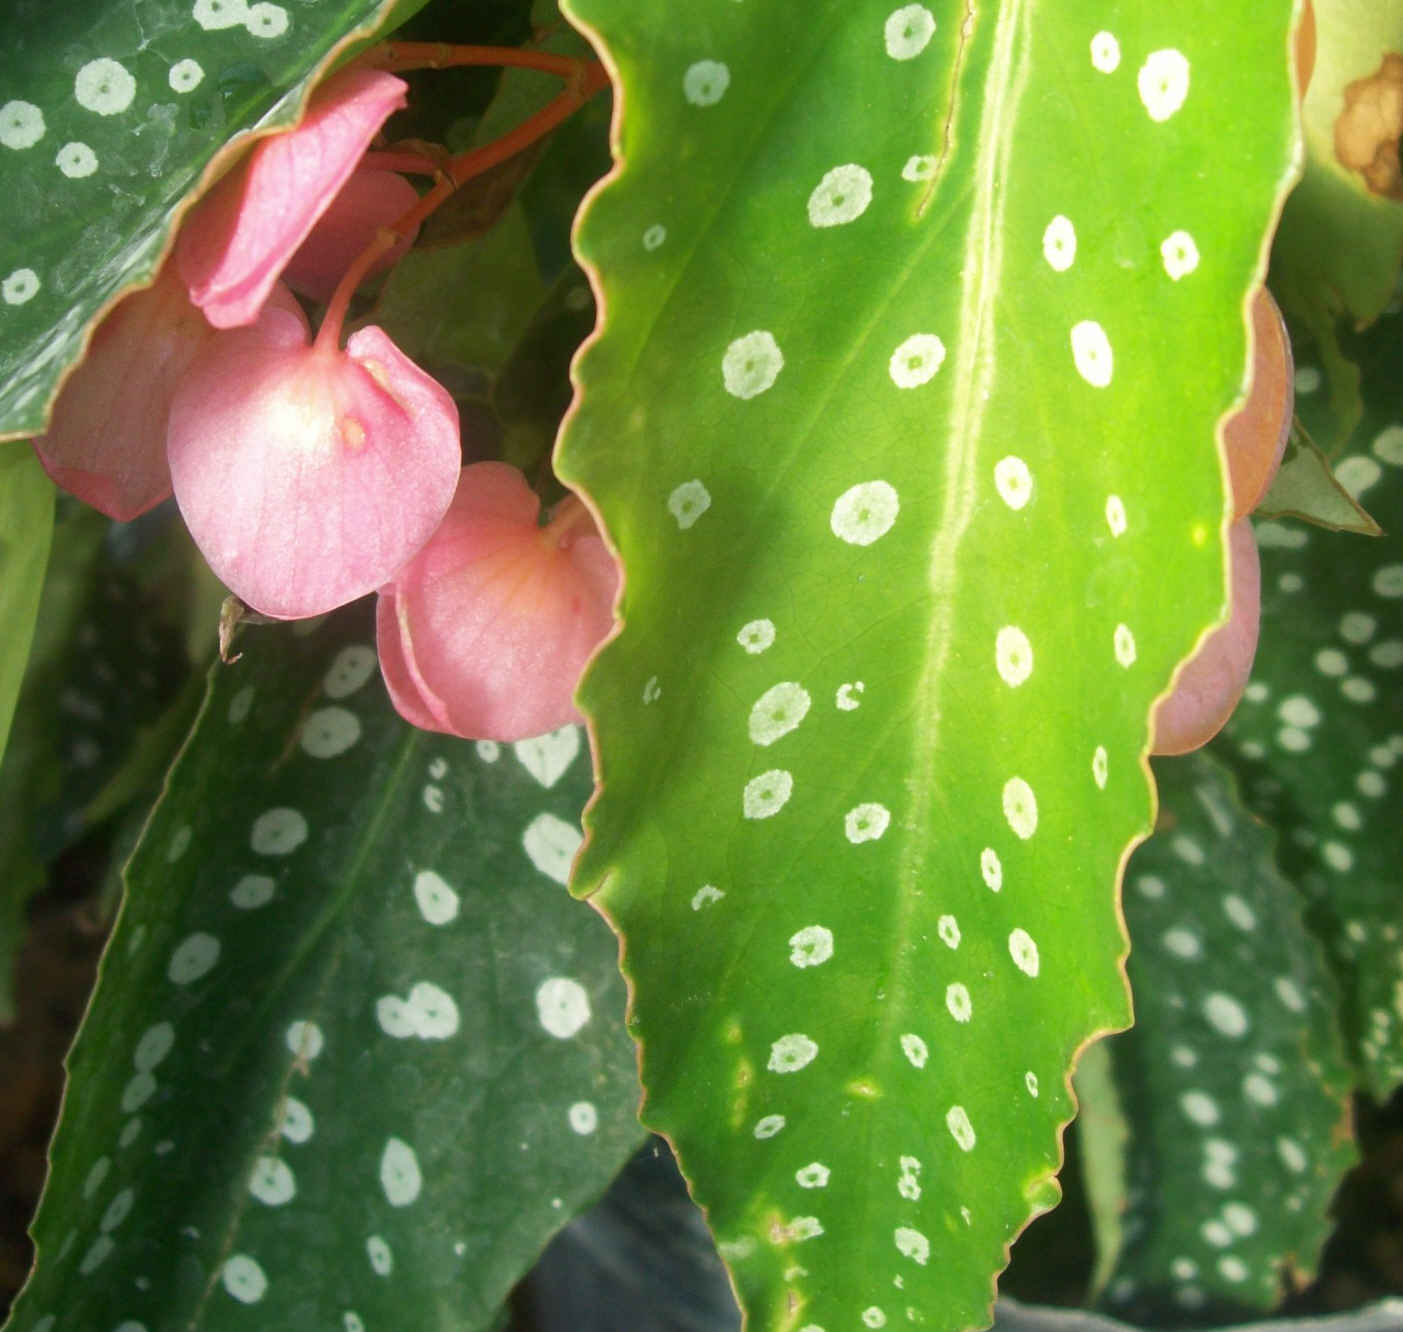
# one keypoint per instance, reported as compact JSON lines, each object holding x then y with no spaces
{"x":1163,"y":82}
{"x":1278,"y":536}
{"x":1388,"y":581}
{"x":1105,"y":52}
{"x":213,"y":15}
{"x":1150,"y":886}
{"x":155,"y":1044}
{"x":908,"y":31}
{"x":266,"y":20}
{"x":1239,"y":912}
{"x":705,"y":83}
{"x":873,"y":1317}
{"x":768,"y":1126}
{"x":1387,"y":655}
{"x":583,"y":1117}
{"x":1124,"y":644}
{"x":1358,"y":690}
{"x":811,"y":947}
{"x":105,"y":87}
{"x":866,"y":822}
{"x":97,"y":1173}
{"x":1187,"y":849}
{"x":847,"y":698}
{"x":803,"y":1228}
{"x":400,"y":1176}
{"x":1331,"y":662}
{"x":548,"y":757}
{"x":1291,"y":1155}
{"x":1200,"y":1107}
{"x":1357,"y":474}
{"x":76,"y":160}
{"x":489,"y":751}
{"x":791,"y":1053}
{"x":349,"y":670}
{"x":295,"y":1121}
{"x":991,"y":868}
{"x":1182,"y":943}
{"x":252,"y":892}
{"x":1060,"y":243}
{"x":186,"y":76}
{"x":756,"y":636}
{"x":1290,"y":994}
{"x":912,"y":1244}
{"x":654,"y":236}
{"x":1370,"y":784}
{"x":917,"y":359}
{"x":815,"y":1175}
{"x":1013,"y":655}
{"x":915,"y":1049}
{"x":841,"y":196}
{"x":1290,"y":582}
{"x":272,"y":1181}
{"x":278,"y":832}
{"x":777,"y":712}
{"x":1216,"y":1233}
{"x":1226,"y":1015}
{"x":1013,"y":481}
{"x":1100,"y":769}
{"x":919,"y":167}
{"x":1030,"y":1081}
{"x":131,"y":1131}
{"x":767,"y":794}
{"x":21,"y":125}
{"x":1337,"y":856}
{"x":688,"y":502}
{"x":244,"y":1279}
{"x":98,"y":1253}
{"x":751,"y":364}
{"x":329,"y":732}
{"x":1179,"y":253}
{"x":1024,"y":952}
{"x":438,"y":903}
{"x":192,"y":958}
{"x":1115,"y":515}
{"x":957,"y":1121}
{"x":22,"y":285}
{"x":957,"y":1001}
{"x":562,"y":1006}
{"x":1091,"y":353}
{"x":1020,"y":808}
{"x":864,"y":513}
{"x":705,"y":895}
{"x":550,"y":844}
{"x":304,"y":1039}
{"x":1260,"y":1089}
{"x":1293,"y":739}
{"x":948,"y":928}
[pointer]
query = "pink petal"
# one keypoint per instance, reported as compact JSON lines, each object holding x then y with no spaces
{"x":488,"y":628}
{"x":235,"y":243}
{"x":106,"y":441}
{"x":309,"y":476}
{"x":1208,"y":688}
{"x":368,"y":201}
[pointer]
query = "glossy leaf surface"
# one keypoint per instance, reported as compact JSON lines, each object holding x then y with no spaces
{"x":882,"y":421}
{"x":354,"y":1054}
{"x":113,"y":113}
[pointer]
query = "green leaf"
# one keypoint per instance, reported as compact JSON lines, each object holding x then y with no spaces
{"x":114,"y":113}
{"x":1319,"y":734}
{"x":896,"y":609}
{"x":1234,"y":1082}
{"x":354,"y":1053}
{"x":26,"y":524}
{"x":1306,"y":487}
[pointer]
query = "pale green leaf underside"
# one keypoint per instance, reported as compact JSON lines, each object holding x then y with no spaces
{"x":1306,"y":487}
{"x":112,"y":111}
{"x":354,"y":1053}
{"x":895,"y":607}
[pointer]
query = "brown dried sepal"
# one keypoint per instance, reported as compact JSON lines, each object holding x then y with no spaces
{"x":1368,"y":129}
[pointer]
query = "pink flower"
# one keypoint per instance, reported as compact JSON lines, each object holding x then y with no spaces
{"x":235,"y":243}
{"x":368,"y":201}
{"x":307,"y":475}
{"x":106,"y":441}
{"x":486,"y":631}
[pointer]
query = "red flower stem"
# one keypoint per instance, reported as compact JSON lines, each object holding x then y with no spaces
{"x":411,"y":164}
{"x":585,"y":82}
{"x":443,"y":55}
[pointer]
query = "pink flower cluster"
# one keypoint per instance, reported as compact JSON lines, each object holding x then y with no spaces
{"x":309,"y":475}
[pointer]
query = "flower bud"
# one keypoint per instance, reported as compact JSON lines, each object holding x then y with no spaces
{"x":486,"y":631}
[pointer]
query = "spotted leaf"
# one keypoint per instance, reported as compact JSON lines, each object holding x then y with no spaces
{"x":354,"y":1054}
{"x":1319,"y":735}
{"x":106,"y":132}
{"x":1234,"y":1080}
{"x":886,"y":417}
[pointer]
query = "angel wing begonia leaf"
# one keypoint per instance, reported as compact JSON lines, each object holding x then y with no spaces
{"x":235,"y":244}
{"x":307,"y":475}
